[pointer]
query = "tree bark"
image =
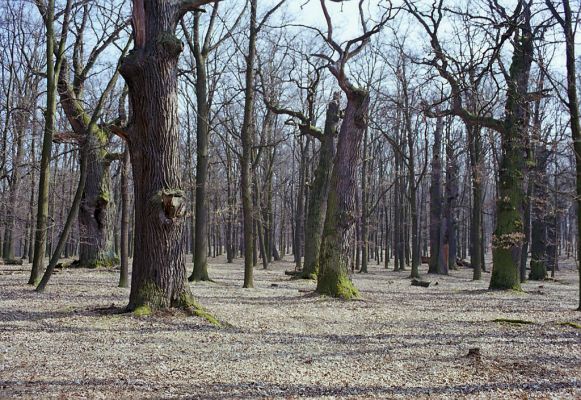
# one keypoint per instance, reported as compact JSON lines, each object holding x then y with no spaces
{"x":320,"y":190}
{"x":436,"y":200}
{"x":339,"y":231}
{"x":150,"y":70}
{"x":200,"y":271}
{"x":246,"y":160}
{"x":508,"y":235}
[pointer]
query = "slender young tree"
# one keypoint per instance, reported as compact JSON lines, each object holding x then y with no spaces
{"x":53,"y":67}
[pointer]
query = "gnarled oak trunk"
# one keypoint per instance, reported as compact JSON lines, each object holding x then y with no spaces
{"x":339,"y":231}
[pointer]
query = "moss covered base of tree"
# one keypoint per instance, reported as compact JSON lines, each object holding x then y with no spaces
{"x":505,"y":271}
{"x":538,"y":270}
{"x":150,"y":299}
{"x":337,"y":285}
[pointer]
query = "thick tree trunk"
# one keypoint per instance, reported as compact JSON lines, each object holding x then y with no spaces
{"x":508,"y":235}
{"x":320,"y":191}
{"x":339,"y":230}
{"x":150,"y":70}
{"x":96,"y":212}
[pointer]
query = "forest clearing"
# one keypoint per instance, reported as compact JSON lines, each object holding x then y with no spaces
{"x":238,"y":199}
{"x":281,"y":342}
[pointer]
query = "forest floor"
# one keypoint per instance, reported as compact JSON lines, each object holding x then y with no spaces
{"x":282,"y":342}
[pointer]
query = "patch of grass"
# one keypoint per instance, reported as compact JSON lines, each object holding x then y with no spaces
{"x":512,"y":321}
{"x":571,"y":324}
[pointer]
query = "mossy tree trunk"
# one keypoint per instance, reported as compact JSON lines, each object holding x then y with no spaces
{"x":317,"y":208}
{"x":150,"y":70}
{"x":339,"y":231}
{"x":508,"y":235}
{"x":96,"y":212}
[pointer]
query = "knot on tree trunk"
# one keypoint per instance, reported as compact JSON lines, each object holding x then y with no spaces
{"x":172,"y":205}
{"x":170,"y":44}
{"x":132,"y":64}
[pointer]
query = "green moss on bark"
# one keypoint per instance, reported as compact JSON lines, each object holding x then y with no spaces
{"x":337,"y":285}
{"x":188,"y":303}
{"x":142,"y":311}
{"x":505,"y":274}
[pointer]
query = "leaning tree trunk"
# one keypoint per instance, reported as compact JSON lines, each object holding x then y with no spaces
{"x":320,"y":191}
{"x":150,"y":70}
{"x":96,"y":212}
{"x":339,"y":230}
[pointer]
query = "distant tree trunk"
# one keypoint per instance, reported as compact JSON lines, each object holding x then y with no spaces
{"x":540,"y":211}
{"x":124,"y":273}
{"x":230,"y":212}
{"x":21,"y":123}
{"x":200,"y":272}
{"x":364,"y":205}
{"x":320,"y":190}
{"x":451,"y":202}
{"x":436,"y":200}
{"x":246,"y":160}
{"x":568,"y":24}
{"x":476,"y":238}
{"x":300,"y":209}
